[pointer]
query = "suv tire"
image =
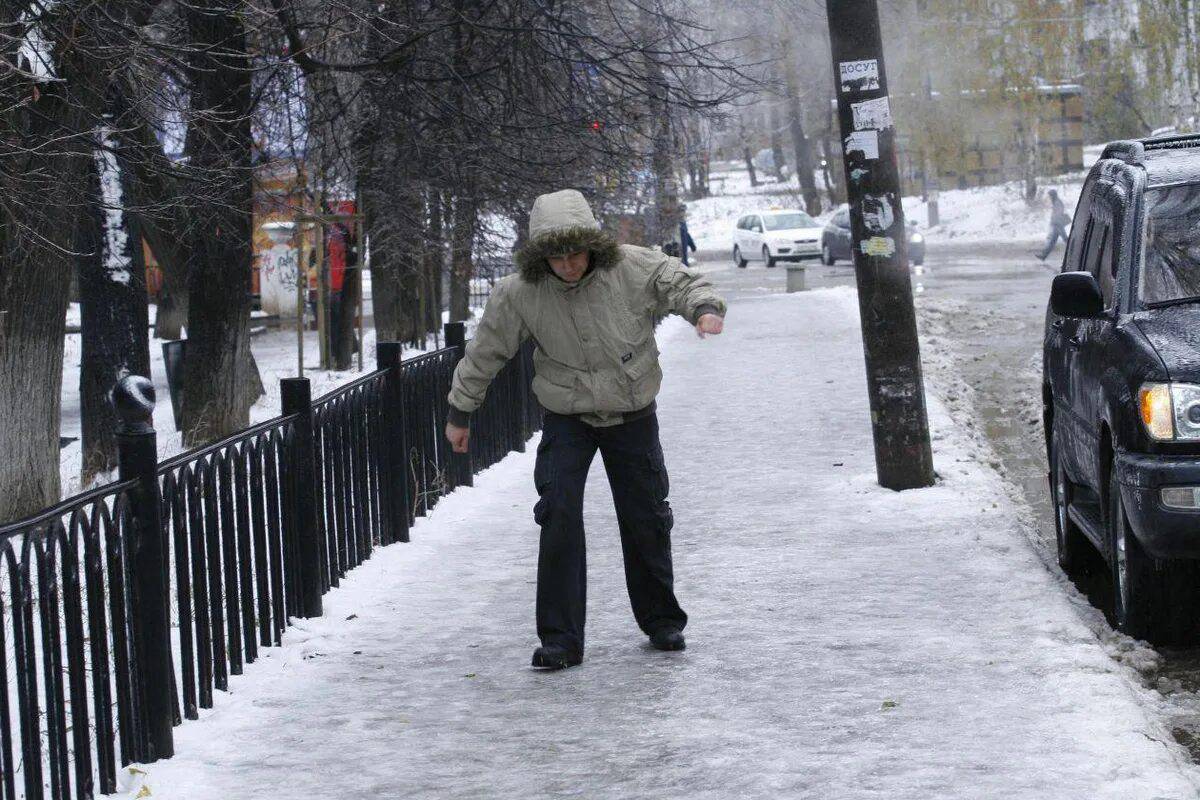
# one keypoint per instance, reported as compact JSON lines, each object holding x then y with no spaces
{"x":1070,"y":539}
{"x":1152,"y":600}
{"x":737,"y":257}
{"x":770,"y":262}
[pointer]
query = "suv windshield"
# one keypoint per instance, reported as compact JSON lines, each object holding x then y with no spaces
{"x":1171,"y":266}
{"x":784,"y":222}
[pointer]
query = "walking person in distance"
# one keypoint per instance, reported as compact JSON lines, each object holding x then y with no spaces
{"x":1059,"y":220}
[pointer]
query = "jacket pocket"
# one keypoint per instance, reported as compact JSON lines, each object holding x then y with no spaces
{"x":641,"y":361}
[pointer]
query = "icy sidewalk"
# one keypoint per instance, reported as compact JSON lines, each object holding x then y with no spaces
{"x":845,"y":641}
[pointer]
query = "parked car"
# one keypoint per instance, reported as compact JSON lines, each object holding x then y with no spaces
{"x":1121,"y":385}
{"x":776,"y":235}
{"x":836,"y":242}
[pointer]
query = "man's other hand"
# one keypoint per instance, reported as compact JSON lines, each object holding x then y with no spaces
{"x":458,"y":437}
{"x":709,"y":323}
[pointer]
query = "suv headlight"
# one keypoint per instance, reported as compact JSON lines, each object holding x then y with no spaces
{"x":1170,"y":411}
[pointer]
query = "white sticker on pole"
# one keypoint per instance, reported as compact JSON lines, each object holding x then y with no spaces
{"x":866,"y":142}
{"x":872,"y":114}
{"x":878,"y":246}
{"x":859,"y":76}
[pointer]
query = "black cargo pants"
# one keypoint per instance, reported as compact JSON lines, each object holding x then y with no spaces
{"x":633,"y":459}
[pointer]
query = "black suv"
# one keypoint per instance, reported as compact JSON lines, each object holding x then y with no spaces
{"x":1121,"y":385}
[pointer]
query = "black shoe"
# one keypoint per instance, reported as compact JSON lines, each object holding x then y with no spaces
{"x":551,"y":657}
{"x":1040,"y":256}
{"x":667,"y":639}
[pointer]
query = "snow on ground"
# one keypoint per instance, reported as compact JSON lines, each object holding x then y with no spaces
{"x":711,"y":220}
{"x":845,"y":641}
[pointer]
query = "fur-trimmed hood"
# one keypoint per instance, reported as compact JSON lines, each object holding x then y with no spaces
{"x":562,"y":222}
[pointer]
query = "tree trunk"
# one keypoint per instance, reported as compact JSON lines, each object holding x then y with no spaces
{"x":346,"y":336}
{"x":462,"y":266}
{"x":776,"y":141}
{"x":435,"y":258}
{"x":218,"y":369}
{"x":749,"y":158}
{"x":1027,"y":138}
{"x":154,"y":208}
{"x":800,"y":144}
{"x":113,"y":305}
{"x":830,"y":172}
{"x":520,"y":219}
{"x":42,"y":190}
{"x":172,"y":310}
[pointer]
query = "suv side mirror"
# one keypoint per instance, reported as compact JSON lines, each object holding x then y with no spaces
{"x":1077,"y":295}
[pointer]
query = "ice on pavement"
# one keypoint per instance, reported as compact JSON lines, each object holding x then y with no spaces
{"x":845,"y":641}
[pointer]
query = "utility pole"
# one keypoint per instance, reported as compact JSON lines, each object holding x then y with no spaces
{"x":903,"y":458}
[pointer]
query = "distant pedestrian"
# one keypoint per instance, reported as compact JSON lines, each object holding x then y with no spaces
{"x":1059,"y":220}
{"x":589,"y":304}
{"x":686,"y":242}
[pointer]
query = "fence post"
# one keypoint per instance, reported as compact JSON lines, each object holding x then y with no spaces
{"x":296,"y":394}
{"x":460,"y":463}
{"x":388,"y":356}
{"x":137,"y":459}
{"x":522,"y":395}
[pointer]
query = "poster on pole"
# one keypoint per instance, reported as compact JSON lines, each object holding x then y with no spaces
{"x":865,"y":142}
{"x":872,"y":114}
{"x":858,"y":76}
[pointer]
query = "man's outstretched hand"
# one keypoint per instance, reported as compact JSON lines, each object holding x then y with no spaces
{"x":458,"y":437}
{"x":709,"y":323}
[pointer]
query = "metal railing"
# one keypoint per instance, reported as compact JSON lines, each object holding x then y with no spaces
{"x":485,"y":279}
{"x":126,"y":606}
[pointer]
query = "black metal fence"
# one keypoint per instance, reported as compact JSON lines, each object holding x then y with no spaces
{"x":123,"y":608}
{"x":487,"y":274}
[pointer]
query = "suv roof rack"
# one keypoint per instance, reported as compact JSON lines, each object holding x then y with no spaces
{"x":1133,"y":151}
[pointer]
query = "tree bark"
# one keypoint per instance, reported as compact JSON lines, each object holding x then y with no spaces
{"x":462,"y":265}
{"x":800,"y":143}
{"x":776,"y":140}
{"x":749,"y":159}
{"x":171,"y":315}
{"x":153,"y":208}
{"x":218,"y":369}
{"x":113,"y":305}
{"x":346,"y":336}
{"x":42,"y":191}
{"x":435,"y":263}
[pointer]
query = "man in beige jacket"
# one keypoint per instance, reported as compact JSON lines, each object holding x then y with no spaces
{"x":590,"y":306}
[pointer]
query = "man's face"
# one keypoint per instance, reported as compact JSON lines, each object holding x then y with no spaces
{"x":571,"y":266}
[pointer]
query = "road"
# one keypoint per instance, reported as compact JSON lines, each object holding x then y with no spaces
{"x":981,"y":311}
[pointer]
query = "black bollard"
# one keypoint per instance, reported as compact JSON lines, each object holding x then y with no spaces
{"x":137,"y":458}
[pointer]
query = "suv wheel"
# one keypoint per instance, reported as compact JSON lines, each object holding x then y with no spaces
{"x":1070,"y":538}
{"x":827,"y":255}
{"x":737,"y":257}
{"x":770,"y":262}
{"x":1155,"y":601}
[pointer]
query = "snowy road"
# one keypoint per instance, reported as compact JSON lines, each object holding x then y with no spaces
{"x":845,"y":642}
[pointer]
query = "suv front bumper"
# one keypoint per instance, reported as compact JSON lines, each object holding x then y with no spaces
{"x":1164,"y":532}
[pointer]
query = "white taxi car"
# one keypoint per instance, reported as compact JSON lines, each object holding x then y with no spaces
{"x":776,"y":235}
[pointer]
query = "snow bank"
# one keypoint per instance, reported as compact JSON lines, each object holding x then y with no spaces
{"x":983,"y":214}
{"x":845,"y":641}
